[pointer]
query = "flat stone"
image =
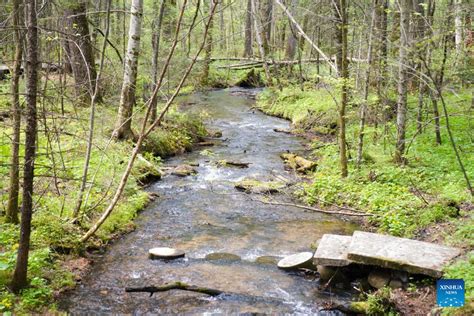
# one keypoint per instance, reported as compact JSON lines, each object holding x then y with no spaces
{"x":165,"y":253}
{"x":224,"y":256}
{"x":409,"y":255}
{"x":332,"y":251}
{"x":297,"y":261}
{"x":184,"y":170}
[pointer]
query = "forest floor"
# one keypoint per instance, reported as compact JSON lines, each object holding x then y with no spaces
{"x":55,"y":262}
{"x":426,"y":199}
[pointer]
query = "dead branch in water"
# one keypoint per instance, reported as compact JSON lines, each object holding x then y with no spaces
{"x":175,"y":286}
{"x":310,"y":208}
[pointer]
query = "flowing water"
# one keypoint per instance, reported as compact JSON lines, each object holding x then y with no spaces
{"x":204,"y":214}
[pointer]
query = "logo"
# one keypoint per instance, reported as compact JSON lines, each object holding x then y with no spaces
{"x":450,"y":292}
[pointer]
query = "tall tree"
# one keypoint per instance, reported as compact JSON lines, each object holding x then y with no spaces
{"x":155,"y":43}
{"x":12,"y":207}
{"x":19,"y":279}
{"x":291,"y":38}
{"x":123,"y":128}
{"x":404,"y":7}
{"x":248,"y":52}
{"x":340,"y":14}
{"x":208,"y":48}
{"x":81,"y":55}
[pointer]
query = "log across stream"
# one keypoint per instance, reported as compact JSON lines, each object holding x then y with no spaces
{"x":203,"y":214}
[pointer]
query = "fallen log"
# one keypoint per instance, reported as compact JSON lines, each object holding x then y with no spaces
{"x":310,"y":208}
{"x":174,"y":286}
{"x":279,"y":130}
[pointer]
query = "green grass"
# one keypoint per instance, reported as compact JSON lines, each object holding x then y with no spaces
{"x":58,"y":172}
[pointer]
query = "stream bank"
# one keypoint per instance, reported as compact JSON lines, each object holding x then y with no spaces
{"x":203,"y":214}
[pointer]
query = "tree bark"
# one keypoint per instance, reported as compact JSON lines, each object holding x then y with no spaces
{"x":340,"y":14}
{"x":155,"y":43}
{"x":291,"y":41}
{"x":207,"y":51}
{"x":458,"y":27}
{"x":266,"y":22}
{"x":19,"y":279}
{"x":248,"y":51}
{"x":364,"y":105}
{"x":123,"y":128}
{"x":81,"y":53}
{"x":404,"y":6}
{"x":14,"y":186}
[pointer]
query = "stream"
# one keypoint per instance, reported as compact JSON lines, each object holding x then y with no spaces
{"x":203,"y":214}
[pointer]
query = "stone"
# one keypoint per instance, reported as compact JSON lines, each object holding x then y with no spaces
{"x":332,"y":251}
{"x":299,"y":163}
{"x":400,"y":275}
{"x":184,"y":170}
{"x":165,"y":253}
{"x":224,"y":256}
{"x":259,"y":187}
{"x":270,"y":260}
{"x":379,"y":278}
{"x":409,"y":255}
{"x":297,"y":261}
{"x":395,"y":284}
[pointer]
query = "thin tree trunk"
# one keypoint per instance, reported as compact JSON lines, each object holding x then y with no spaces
{"x":340,"y":14}
{"x":404,"y":6}
{"x":248,"y":31}
{"x":207,"y":53}
{"x":123,"y":128}
{"x":458,"y":27}
{"x":92,"y":118}
{"x":156,"y":29}
{"x":14,"y":187}
{"x":363,"y":109}
{"x":144,"y":131}
{"x":19,"y":279}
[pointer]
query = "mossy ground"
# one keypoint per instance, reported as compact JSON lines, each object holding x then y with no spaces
{"x":61,"y":150}
{"x":413,"y":201}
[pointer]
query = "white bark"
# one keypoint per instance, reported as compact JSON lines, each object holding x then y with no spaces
{"x":127,"y":98}
{"x":458,"y":28}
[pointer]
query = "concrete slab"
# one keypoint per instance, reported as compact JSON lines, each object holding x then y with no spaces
{"x":332,"y":251}
{"x":400,"y":253}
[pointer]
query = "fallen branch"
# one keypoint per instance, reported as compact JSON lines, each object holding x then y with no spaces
{"x":175,"y":286}
{"x":310,"y":208}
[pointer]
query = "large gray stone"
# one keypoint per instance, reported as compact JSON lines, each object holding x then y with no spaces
{"x":297,"y":261}
{"x":400,"y":253}
{"x":332,"y":251}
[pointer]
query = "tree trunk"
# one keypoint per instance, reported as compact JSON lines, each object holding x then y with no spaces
{"x":14,"y":187}
{"x":207,"y":51}
{"x":340,"y":14}
{"x":123,"y":128}
{"x":248,"y":31}
{"x":458,"y":27}
{"x":19,"y":279}
{"x":363,"y":108}
{"x":404,"y":6}
{"x":155,"y":43}
{"x":81,"y":53}
{"x":291,"y":41}
{"x":266,"y":22}
{"x":260,"y":44}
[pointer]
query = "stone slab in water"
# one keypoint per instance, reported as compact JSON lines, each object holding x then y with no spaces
{"x":332,"y":251}
{"x":413,"y":256}
{"x":165,"y":253}
{"x":297,"y":261}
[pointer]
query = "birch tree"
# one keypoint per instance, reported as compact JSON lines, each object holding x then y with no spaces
{"x":123,"y":127}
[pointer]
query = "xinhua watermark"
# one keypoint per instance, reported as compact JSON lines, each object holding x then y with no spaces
{"x":450,"y":292}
